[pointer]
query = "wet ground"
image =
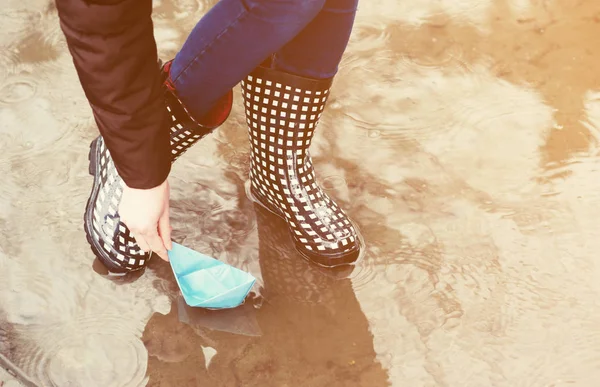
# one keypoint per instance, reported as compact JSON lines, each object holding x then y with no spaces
{"x":463,"y":137}
{"x":7,"y":380}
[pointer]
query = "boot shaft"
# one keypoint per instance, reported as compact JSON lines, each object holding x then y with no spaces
{"x":186,"y":129}
{"x":283,"y":110}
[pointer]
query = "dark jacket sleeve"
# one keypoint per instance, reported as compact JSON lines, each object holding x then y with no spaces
{"x":114,"y":52}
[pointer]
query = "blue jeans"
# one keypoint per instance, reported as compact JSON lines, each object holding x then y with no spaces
{"x":302,"y":37}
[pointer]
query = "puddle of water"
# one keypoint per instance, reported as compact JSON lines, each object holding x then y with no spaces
{"x":463,"y":140}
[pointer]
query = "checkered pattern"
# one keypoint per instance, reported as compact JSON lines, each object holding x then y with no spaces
{"x":183,"y":137}
{"x":282,"y":113}
{"x":111,"y":239}
{"x":112,"y":236}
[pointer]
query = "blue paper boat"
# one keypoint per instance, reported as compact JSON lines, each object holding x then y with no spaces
{"x":206,"y":282}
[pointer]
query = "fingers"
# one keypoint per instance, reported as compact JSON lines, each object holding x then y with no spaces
{"x":164,"y":229}
{"x":141,"y":242}
{"x":151,"y":242}
{"x":156,"y":244}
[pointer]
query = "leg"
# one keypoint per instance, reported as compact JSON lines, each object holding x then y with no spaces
{"x":232,"y":39}
{"x":284,"y":100}
{"x":317,"y":51}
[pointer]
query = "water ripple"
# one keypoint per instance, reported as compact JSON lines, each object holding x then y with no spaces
{"x":440,"y":142}
{"x":90,"y":350}
{"x":17,"y":90}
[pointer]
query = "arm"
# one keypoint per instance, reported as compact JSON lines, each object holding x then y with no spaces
{"x":114,"y":53}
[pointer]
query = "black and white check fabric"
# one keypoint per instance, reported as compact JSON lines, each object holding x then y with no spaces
{"x":282,"y":112}
{"x":110,"y":239}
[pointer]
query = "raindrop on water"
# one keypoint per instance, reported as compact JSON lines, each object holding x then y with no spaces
{"x":374,"y":133}
{"x":17,"y":91}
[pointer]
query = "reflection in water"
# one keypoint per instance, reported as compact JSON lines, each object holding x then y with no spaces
{"x":462,"y":136}
{"x":313,"y":331}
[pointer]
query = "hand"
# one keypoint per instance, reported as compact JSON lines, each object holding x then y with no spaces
{"x":146,"y":213}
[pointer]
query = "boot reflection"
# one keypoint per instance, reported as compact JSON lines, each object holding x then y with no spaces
{"x":312,"y":330}
{"x":315,"y":331}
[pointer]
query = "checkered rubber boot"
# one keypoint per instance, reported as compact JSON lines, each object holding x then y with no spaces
{"x":282,"y":111}
{"x":108,"y":237}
